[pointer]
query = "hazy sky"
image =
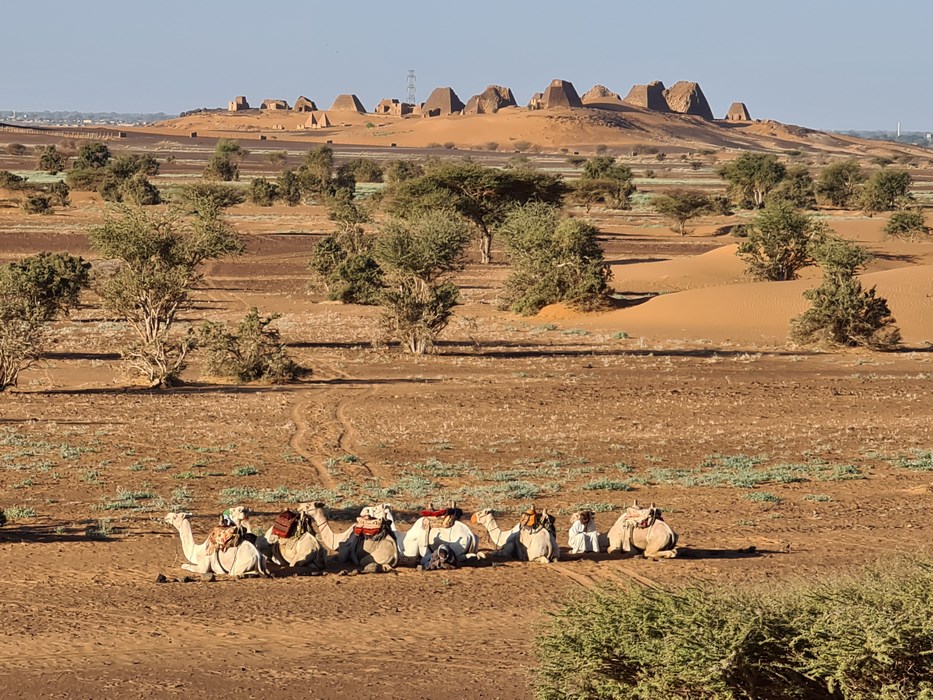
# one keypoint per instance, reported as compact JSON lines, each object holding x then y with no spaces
{"x":823,"y":63}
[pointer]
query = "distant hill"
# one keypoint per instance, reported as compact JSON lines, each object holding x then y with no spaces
{"x":81,"y":118}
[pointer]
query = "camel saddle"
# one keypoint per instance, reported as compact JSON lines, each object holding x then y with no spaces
{"x":221,"y":539}
{"x":371,"y":528}
{"x":441,"y":519}
{"x":285,"y":523}
{"x":530,"y":519}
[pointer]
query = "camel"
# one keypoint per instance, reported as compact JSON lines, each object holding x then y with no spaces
{"x":423,"y":538}
{"x":239,"y":560}
{"x":523,"y":543}
{"x":643,"y":529}
{"x":302,"y":549}
{"x":583,"y":535}
{"x":360,"y":549}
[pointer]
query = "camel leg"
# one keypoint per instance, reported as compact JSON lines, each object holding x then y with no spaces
{"x":189,"y":567}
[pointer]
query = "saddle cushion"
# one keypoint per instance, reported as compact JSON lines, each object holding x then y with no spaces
{"x":284,"y":525}
{"x":221,"y":539}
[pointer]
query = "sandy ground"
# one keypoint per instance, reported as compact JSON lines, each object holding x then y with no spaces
{"x":775,"y":463}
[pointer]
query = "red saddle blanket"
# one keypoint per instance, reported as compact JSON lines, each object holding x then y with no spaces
{"x":284,"y":524}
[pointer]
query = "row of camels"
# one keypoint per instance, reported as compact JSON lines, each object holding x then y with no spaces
{"x":438,"y":539}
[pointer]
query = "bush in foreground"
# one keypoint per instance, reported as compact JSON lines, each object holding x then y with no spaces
{"x":853,"y":638}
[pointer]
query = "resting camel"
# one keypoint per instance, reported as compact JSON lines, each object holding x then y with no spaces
{"x":424,"y":537}
{"x":370,"y":541}
{"x":302,"y":549}
{"x":643,"y":529}
{"x":583,"y":535}
{"x":238,"y":560}
{"x":523,"y":543}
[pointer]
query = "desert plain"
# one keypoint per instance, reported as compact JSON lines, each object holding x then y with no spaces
{"x":775,"y":462}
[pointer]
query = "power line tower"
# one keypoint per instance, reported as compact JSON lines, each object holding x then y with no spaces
{"x":411,"y":87}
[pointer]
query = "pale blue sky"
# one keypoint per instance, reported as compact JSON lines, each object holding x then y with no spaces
{"x":828,"y":64}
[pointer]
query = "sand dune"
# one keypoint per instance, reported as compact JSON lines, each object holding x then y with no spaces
{"x":757,"y":312}
{"x":712,"y":269}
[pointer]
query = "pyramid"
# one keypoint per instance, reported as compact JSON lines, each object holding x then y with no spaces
{"x":442,"y":101}
{"x":323,"y":122}
{"x":650,"y":96}
{"x":738,"y":112}
{"x":561,"y":93}
{"x":310,"y":122}
{"x":347,"y":103}
{"x":600,"y":95}
{"x":274,"y":104}
{"x":303,"y":104}
{"x":536,"y":101}
{"x":490,"y":100}
{"x":686,"y":97}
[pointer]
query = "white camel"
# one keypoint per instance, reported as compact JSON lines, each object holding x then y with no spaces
{"x":423,"y":538}
{"x":302,"y":549}
{"x":643,"y":529}
{"x":583,"y":535}
{"x":240,"y":560}
{"x":523,"y":543}
{"x":360,"y":549}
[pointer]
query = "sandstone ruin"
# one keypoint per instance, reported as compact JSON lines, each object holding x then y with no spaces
{"x":238,"y":104}
{"x":650,"y":96}
{"x":303,"y":104}
{"x":536,"y":101}
{"x":686,"y":97}
{"x":490,"y":100}
{"x":560,"y":93}
{"x":600,"y":93}
{"x":348,"y":103}
{"x":442,"y":101}
{"x":394,"y":108}
{"x":274,"y":104}
{"x":738,"y":112}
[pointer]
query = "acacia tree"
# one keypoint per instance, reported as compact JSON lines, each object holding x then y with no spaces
{"x":479,"y":194}
{"x":886,"y":190}
{"x":224,"y":165}
{"x":752,"y":176}
{"x":417,"y":256}
{"x":342,"y":263}
{"x":159,"y":258}
{"x":553,"y":259}
{"x":33,"y":292}
{"x":680,"y":206}
{"x":780,"y":243}
{"x":841,"y":312}
{"x":604,"y":180}
{"x":839,"y":183}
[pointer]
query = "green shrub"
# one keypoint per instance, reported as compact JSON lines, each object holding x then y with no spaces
{"x":262,"y":192}
{"x":254,"y":352}
{"x":885,"y":189}
{"x":342,"y":263}
{"x":209,"y":199}
{"x":780,"y":242}
{"x":553,"y":259}
{"x":908,"y":224}
{"x":38,"y":203}
{"x":139,"y":191}
{"x":51,"y":160}
{"x":9,"y":181}
{"x":363,"y":170}
{"x":860,"y":637}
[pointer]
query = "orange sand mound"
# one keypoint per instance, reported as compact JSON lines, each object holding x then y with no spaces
{"x":756,"y":312}
{"x":712,"y":269}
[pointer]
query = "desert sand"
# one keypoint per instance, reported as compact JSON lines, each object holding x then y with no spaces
{"x":691,"y":375}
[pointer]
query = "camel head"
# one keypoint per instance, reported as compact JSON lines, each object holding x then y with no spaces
{"x":176,"y":519}
{"x":480,"y":515}
{"x":308,"y":508}
{"x":239,"y":516}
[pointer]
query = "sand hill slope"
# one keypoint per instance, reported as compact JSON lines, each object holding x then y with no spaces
{"x":754,"y":312}
{"x":616,"y":125}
